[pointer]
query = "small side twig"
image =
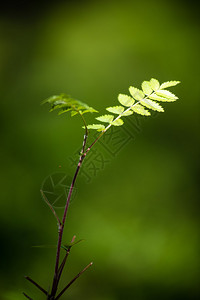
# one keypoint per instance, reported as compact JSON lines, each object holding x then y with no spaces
{"x":50,"y":206}
{"x":27,"y":296}
{"x":62,"y":265}
{"x":72,"y":281}
{"x":36,"y":284}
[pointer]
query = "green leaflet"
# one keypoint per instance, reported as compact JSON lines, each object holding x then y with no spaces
{"x":139,"y":109}
{"x":65,"y":103}
{"x":105,"y":118}
{"x":51,"y":99}
{"x":63,"y":111}
{"x":154,"y":84}
{"x":115,"y":109}
{"x":127,"y":113}
{"x":158,"y":98}
{"x":98,"y":127}
{"x":126,"y":100}
{"x":168,"y":84}
{"x":118,"y":122}
{"x":73,"y":113}
{"x":152,"y":105}
{"x":166,"y":94}
{"x":136,"y":93}
{"x":146,"y":87}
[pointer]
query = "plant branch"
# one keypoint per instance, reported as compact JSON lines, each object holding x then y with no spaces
{"x":64,"y":261}
{"x":61,"y":227}
{"x":27,"y":296}
{"x":51,"y":207}
{"x":72,"y":281}
{"x":36,"y":284}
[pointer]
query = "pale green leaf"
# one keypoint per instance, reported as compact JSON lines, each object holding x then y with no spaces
{"x":139,"y":109}
{"x":91,"y":110}
{"x":118,"y":122}
{"x":105,"y":118}
{"x":152,"y":105}
{"x":115,"y":109}
{"x":168,"y":84}
{"x":64,"y":111}
{"x":127,"y":113}
{"x":73,"y":113}
{"x":166,"y":94}
{"x":146,"y":87}
{"x":154,"y":84}
{"x":162,"y":99}
{"x":126,"y":100}
{"x":98,"y":127}
{"x":136,"y":93}
{"x":65,"y":103}
{"x":51,"y":99}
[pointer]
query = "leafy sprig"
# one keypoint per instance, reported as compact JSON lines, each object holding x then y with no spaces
{"x":140,"y":102}
{"x":64,"y":103}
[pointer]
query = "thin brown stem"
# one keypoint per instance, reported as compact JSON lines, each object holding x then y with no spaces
{"x":72,"y":281}
{"x":64,"y":261}
{"x":36,"y":284}
{"x":51,"y":207}
{"x":61,"y":227}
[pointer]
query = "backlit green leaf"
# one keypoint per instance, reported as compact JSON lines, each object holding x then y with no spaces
{"x":98,"y":127}
{"x":115,"y":109}
{"x":127,"y":113}
{"x":168,"y":84}
{"x":65,"y":103}
{"x":139,"y":109}
{"x":105,"y":118}
{"x":166,"y":94}
{"x":136,"y":93}
{"x":73,"y":113}
{"x":146,"y":87}
{"x":126,"y":100}
{"x":64,"y":111}
{"x":118,"y":122}
{"x":152,"y":105}
{"x":154,"y":84}
{"x":158,"y":98}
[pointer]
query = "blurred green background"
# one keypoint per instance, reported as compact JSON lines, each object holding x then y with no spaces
{"x":139,"y":213}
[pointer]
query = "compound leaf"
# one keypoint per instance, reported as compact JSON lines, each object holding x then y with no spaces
{"x":115,"y":109}
{"x":146,"y":87}
{"x":126,"y":100}
{"x":105,"y":118}
{"x":136,"y":93}
{"x":154,"y":84}
{"x":152,"y":105}
{"x":65,"y":103}
{"x":168,"y":84}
